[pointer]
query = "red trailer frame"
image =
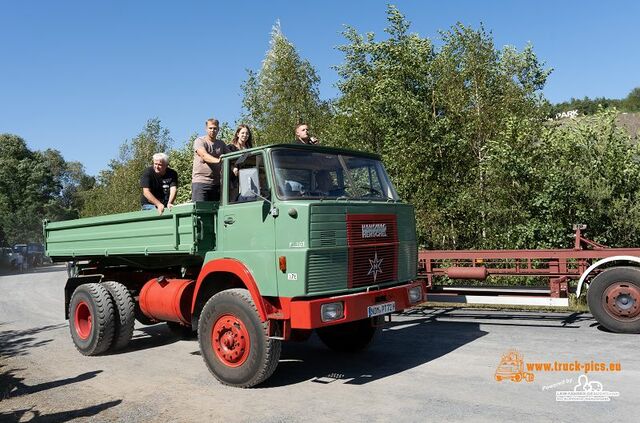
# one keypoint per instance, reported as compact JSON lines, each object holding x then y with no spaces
{"x":582,"y":262}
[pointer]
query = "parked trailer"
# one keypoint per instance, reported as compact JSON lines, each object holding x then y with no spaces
{"x":612,"y":276}
{"x":304,"y":238}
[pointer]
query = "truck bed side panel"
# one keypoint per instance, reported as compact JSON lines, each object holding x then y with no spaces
{"x":187,"y":229}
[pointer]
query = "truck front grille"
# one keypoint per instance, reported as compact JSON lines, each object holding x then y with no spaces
{"x":373,"y":249}
{"x":358,"y":246}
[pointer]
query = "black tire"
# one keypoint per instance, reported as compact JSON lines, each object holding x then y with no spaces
{"x":92,"y":319}
{"x":180,"y":330}
{"x":125,"y":313}
{"x":244,"y":354}
{"x":348,"y":337}
{"x":614,"y":299}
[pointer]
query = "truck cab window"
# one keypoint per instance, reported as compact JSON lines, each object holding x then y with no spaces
{"x":247,"y":179}
{"x":312,"y":174}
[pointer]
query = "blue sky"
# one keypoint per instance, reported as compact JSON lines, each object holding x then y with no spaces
{"x":84,"y":76}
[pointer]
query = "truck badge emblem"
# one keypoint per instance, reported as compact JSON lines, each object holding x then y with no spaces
{"x":374,"y":230}
{"x":375,"y":267}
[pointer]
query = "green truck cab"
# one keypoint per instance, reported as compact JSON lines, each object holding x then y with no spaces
{"x":304,"y":238}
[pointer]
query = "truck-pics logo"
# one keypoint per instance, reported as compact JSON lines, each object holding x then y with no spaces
{"x":374,"y":230}
{"x":375,"y":266}
{"x":511,"y":368}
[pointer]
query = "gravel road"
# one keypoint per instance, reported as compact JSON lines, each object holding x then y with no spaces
{"x":428,"y":364}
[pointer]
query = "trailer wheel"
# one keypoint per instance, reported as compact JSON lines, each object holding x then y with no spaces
{"x":125,"y":313}
{"x":234,"y":342}
{"x":91,"y":319}
{"x":614,"y":299}
{"x":348,"y":337}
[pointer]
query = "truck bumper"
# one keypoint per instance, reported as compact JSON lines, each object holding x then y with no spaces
{"x":306,"y":314}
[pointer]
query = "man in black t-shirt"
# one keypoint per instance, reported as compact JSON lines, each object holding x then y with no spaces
{"x":303,"y":136}
{"x":159,"y":184}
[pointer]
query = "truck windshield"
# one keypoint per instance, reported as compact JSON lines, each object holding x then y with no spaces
{"x":312,"y":174}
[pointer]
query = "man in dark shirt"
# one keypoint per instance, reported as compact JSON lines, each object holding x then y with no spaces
{"x":159,"y":184}
{"x":303,"y":136}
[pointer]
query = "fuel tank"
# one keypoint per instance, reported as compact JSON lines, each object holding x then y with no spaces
{"x":167,"y":300}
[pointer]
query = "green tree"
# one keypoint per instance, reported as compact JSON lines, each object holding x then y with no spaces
{"x":181,"y":160}
{"x":283,"y":93}
{"x":588,"y":172}
{"x":71,"y":184}
{"x":436,"y":116}
{"x":632,"y":102}
{"x":118,"y":188}
{"x":588,"y":106}
{"x":34,"y":186}
{"x":386,"y":106}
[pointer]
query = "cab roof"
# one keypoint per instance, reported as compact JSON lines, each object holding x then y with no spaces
{"x":315,"y":147}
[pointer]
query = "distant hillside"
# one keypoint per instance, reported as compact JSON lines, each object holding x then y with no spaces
{"x":631,"y":122}
{"x":588,"y":106}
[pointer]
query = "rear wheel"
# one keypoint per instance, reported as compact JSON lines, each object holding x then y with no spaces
{"x":234,"y":341}
{"x":125,"y":313}
{"x":91,"y":319}
{"x":614,"y":299}
{"x":348,"y":337}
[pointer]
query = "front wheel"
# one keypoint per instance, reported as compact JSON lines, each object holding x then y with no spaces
{"x":234,"y":342}
{"x":348,"y":337}
{"x":614,"y":299}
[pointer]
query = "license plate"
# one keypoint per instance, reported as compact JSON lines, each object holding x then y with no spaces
{"x":378,"y":309}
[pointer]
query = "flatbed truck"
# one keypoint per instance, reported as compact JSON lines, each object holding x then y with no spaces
{"x":304,"y":238}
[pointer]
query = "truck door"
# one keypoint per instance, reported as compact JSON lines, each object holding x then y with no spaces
{"x":248,"y":229}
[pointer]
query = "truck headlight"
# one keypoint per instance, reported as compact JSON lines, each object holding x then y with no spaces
{"x":415,"y":294}
{"x":332,"y":311}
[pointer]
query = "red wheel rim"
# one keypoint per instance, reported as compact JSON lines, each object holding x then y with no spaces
{"x":230,"y":340}
{"x":622,"y":300}
{"x":83,"y":320}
